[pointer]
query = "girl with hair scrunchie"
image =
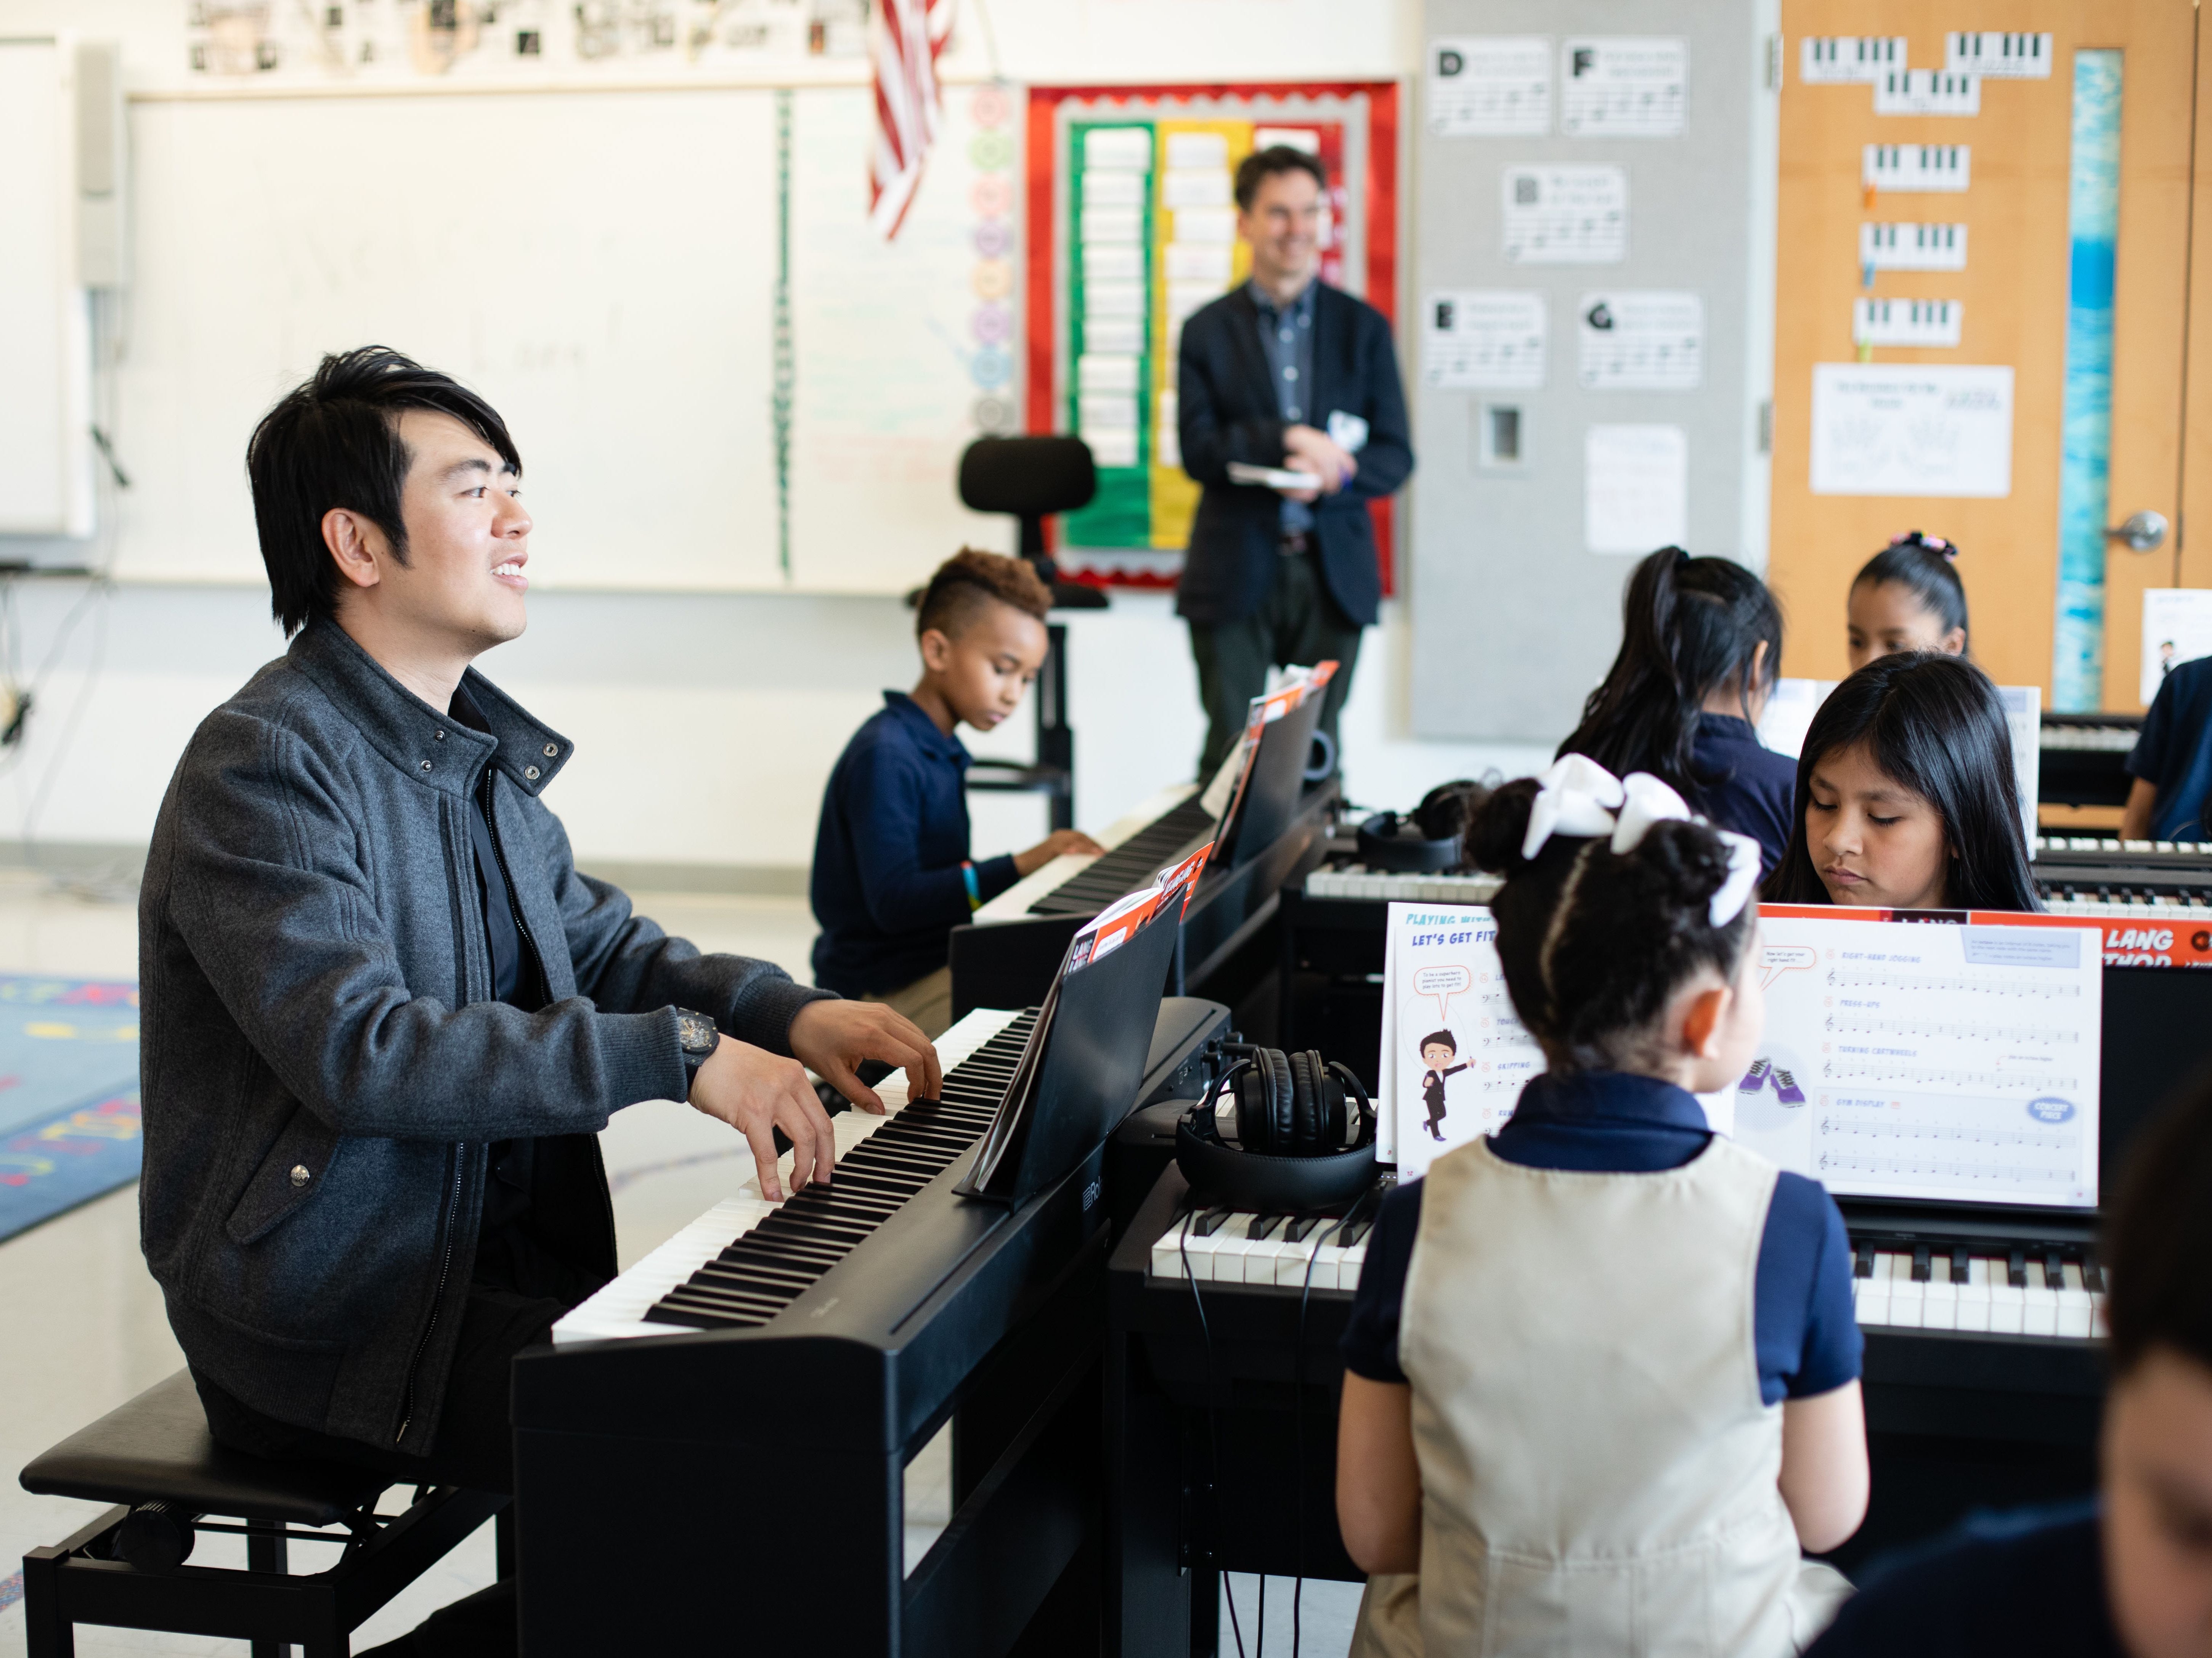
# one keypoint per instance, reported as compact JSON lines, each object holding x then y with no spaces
{"x":1908,"y":597}
{"x":1601,"y":1383}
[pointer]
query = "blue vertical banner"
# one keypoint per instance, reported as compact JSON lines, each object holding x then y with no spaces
{"x":2077,"y":667}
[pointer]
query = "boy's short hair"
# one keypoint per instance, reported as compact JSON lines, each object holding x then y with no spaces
{"x":968,"y":581}
{"x":1263,"y":164}
{"x":2159,"y":1242}
{"x":1438,"y":1039}
{"x":335,"y":442}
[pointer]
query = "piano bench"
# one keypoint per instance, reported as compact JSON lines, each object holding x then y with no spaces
{"x":156,"y":1459}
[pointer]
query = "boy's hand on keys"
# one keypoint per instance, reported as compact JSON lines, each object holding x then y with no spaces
{"x":1060,"y":843}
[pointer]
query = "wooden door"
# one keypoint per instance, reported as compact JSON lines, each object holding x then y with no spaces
{"x":2013,"y":296}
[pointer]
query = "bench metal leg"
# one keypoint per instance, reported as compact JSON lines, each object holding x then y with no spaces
{"x":266,"y":1551}
{"x":47,"y":1631}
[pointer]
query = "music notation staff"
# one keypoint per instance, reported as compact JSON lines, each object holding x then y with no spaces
{"x":1928,"y":1076}
{"x":1972,"y":983}
{"x":1964,"y":1029}
{"x":1961,"y":1132}
{"x":1995,"y":1175}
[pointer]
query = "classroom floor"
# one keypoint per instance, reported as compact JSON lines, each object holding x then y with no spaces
{"x":84,"y":1328}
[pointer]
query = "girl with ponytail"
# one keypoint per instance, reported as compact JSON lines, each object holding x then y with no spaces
{"x":1601,"y":1370}
{"x":1908,"y":597}
{"x":1700,"y":650}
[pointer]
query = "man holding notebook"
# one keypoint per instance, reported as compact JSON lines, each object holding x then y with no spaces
{"x":1284,"y":374}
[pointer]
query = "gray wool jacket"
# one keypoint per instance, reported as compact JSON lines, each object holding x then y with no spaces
{"x":323,"y":1060}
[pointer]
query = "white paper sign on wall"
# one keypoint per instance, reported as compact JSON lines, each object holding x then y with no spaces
{"x":1623,"y":86}
{"x":1885,"y":429}
{"x":1652,"y":340}
{"x":1565,"y":214}
{"x":1483,"y":339}
{"x":2177,"y":628}
{"x":1636,"y":489}
{"x":1490,"y":86}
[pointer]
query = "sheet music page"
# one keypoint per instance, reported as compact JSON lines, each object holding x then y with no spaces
{"x":1937,"y":1061}
{"x":1458,"y":1056}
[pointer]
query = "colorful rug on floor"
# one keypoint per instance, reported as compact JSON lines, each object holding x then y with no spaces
{"x":68,"y":1093}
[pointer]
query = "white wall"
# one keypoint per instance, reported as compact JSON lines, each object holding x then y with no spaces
{"x":705,"y":725}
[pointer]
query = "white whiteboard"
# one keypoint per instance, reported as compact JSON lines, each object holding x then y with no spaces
{"x":602,"y":267}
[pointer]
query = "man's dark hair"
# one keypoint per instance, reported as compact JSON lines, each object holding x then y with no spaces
{"x":334,"y":442}
{"x":2160,"y":1238}
{"x":1935,"y":725}
{"x":968,"y":582}
{"x":1263,"y":164}
{"x":1435,"y":1036}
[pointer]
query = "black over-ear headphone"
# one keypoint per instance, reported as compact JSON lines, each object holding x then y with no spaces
{"x":1424,"y":840}
{"x":1291,"y":1124}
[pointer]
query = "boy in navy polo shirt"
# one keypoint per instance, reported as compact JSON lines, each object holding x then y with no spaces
{"x":892,"y":873}
{"x":2172,"y":764}
{"x":2131,"y":1571}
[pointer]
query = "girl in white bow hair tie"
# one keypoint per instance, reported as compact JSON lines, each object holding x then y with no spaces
{"x":1601,"y":1373}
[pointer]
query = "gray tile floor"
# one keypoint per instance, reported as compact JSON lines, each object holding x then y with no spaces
{"x":84,"y":1328}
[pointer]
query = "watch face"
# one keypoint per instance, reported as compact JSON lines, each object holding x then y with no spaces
{"x":698,"y":1035}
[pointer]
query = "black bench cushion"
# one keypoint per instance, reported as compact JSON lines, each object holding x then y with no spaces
{"x":157,"y":1449}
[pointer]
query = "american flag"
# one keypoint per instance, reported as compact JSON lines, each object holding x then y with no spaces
{"x":907,"y":36}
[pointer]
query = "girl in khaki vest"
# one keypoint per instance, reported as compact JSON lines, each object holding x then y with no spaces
{"x":1601,"y":1378}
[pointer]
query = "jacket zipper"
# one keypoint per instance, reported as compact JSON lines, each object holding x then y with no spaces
{"x":438,"y":1299}
{"x":460,"y":1149}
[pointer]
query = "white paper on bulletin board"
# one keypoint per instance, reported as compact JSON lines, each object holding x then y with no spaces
{"x":1565,"y":214}
{"x":2177,"y":628}
{"x":1623,"y":86}
{"x":1636,"y":489}
{"x":1490,"y":86}
{"x":1483,"y":339}
{"x":1900,"y":430}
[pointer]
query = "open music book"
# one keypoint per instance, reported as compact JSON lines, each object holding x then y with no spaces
{"x":1930,"y":1055}
{"x":1078,"y":1075}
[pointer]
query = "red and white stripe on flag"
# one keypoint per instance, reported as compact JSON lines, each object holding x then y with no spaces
{"x":907,"y":34}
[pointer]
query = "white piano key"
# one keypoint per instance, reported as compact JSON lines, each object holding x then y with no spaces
{"x":2074,"y":1311}
{"x":2008,"y":1305}
{"x":1348,"y":1268}
{"x":2040,"y":1316}
{"x":1167,"y":1254}
{"x":1328,"y":1263}
{"x":1870,"y":1295}
{"x":1974,"y":1295}
{"x":1939,"y":1307}
{"x":2098,"y":1329}
{"x":1906,"y":1298}
{"x":1292,"y":1259}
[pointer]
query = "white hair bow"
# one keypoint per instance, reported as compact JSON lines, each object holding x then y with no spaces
{"x":1581,"y":798}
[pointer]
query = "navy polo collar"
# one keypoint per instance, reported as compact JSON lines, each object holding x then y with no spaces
{"x":927,"y":737}
{"x":1605,"y":1099}
{"x":439,"y":751}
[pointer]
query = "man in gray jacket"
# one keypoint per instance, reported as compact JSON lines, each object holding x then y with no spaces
{"x":384,"y":1015}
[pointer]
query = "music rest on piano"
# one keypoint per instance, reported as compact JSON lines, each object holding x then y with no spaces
{"x":2082,"y":759}
{"x":684,"y":1486}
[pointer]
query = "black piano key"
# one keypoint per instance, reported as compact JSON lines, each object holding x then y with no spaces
{"x":1863,"y":1259}
{"x":1261,"y":1226}
{"x":1209,"y":1222}
{"x":2054,"y":1270}
{"x":2093,"y":1276}
{"x":662,"y":1312}
{"x":1355,"y":1231}
{"x":764,"y":1274}
{"x":1962,"y":1265}
{"x":731,"y":1296}
{"x":1923,"y":1269}
{"x":1297,"y":1230}
{"x":2016,"y":1269}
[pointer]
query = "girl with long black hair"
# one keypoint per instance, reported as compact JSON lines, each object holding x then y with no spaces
{"x":1908,"y":597}
{"x":1906,"y":796}
{"x":1700,"y":650}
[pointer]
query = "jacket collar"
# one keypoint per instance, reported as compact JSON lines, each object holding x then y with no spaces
{"x":435,"y":749}
{"x":923,"y":730}
{"x":1260,"y":380}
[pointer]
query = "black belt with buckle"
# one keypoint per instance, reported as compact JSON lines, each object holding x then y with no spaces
{"x":1295,"y":543}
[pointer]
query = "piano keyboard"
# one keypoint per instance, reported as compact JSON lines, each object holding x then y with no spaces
{"x":1923,"y":1289}
{"x":792,"y":1244}
{"x":1927,"y":1289}
{"x":2111,"y":851}
{"x":1226,"y":1247}
{"x":1137,"y":847}
{"x":2100,"y":738}
{"x":1358,"y":881}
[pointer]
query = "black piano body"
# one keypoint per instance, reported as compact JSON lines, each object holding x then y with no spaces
{"x":741,"y":1490}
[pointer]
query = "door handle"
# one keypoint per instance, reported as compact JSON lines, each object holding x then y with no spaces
{"x":2143,"y":532}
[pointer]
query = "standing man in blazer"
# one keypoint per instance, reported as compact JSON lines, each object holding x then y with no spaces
{"x":1284,"y":372}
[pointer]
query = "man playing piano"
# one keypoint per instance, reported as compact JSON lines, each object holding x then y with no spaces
{"x":385,"y":1016}
{"x":2131,"y":1571}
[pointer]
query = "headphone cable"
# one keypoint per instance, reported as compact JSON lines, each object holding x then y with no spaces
{"x":1212,"y":1434}
{"x":1299,"y":1415}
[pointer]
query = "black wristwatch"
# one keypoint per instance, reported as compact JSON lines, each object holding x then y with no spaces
{"x":697,"y":1032}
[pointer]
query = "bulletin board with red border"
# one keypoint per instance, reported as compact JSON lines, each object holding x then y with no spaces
{"x":1130,"y":229}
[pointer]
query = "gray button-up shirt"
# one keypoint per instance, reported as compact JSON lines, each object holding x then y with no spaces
{"x":1286,"y":341}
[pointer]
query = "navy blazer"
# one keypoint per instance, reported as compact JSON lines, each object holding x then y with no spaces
{"x":1227,"y":411}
